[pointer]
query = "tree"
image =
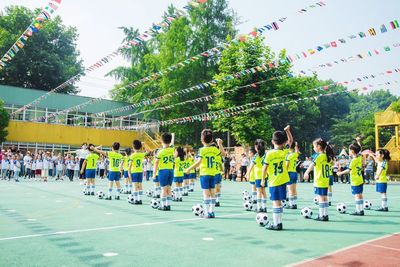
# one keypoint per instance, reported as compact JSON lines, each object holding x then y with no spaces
{"x":361,"y":121}
{"x":207,"y":26}
{"x":49,"y":58}
{"x":4,"y":119}
{"x":396,"y":106}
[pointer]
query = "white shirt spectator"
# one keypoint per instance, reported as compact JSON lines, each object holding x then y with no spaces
{"x":27,"y":159}
{"x":60,"y":165}
{"x":39,"y":164}
{"x":76,"y":168}
{"x":245,"y":161}
{"x":102,"y":164}
{"x":82,"y":153}
{"x":233,"y":162}
{"x":149,"y":165}
{"x":17,"y":166}
{"x":45,"y":163}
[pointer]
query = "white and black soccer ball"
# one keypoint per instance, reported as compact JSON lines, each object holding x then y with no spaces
{"x":149,"y":193}
{"x":341,"y":208}
{"x":262,"y":219}
{"x":155,"y":203}
{"x":131,"y":199}
{"x":100,"y":194}
{"x":85,"y":191}
{"x":367,"y":205}
{"x":248,"y":206}
{"x":198,"y":209}
{"x":245,"y":193}
{"x":284,"y":203}
{"x":316,"y":202}
{"x":246,"y":198}
{"x":174,"y":195}
{"x":306,"y":212}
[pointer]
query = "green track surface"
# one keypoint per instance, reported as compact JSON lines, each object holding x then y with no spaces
{"x":70,"y":229}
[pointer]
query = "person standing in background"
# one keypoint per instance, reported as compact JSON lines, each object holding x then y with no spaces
{"x":227,"y":167}
{"x":369,"y":169}
{"x":243,"y":167}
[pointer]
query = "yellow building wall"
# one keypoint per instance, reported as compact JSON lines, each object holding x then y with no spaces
{"x":31,"y":132}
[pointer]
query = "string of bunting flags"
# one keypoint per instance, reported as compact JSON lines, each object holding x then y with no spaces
{"x":33,"y":28}
{"x":141,"y":39}
{"x":394,"y":25}
{"x":241,"y":109}
{"x":364,"y":55}
{"x":218,"y":49}
{"x":252,"y":85}
{"x":264,"y":68}
{"x":201,"y":86}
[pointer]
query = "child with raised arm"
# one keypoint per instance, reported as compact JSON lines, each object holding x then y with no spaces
{"x":275,"y":169}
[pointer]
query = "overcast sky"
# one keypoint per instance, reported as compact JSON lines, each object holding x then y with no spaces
{"x":98,"y":21}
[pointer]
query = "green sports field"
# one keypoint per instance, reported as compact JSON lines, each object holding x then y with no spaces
{"x":53,"y":224}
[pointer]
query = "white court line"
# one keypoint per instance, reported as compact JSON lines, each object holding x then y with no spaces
{"x":384,"y":247}
{"x":340,"y":250}
{"x":114,"y":227}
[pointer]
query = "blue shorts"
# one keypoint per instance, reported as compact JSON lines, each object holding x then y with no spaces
{"x":293,"y":178}
{"x":331,"y":180}
{"x":252,"y":182}
{"x":258,"y":183}
{"x":90,"y":174}
{"x":207,"y":182}
{"x":186,"y":176}
{"x":192,"y":175}
{"x":321,"y":191}
{"x":126,"y":174}
{"x":155,"y":180}
{"x":218,"y":178}
{"x":355,"y":190}
{"x":277,"y":192}
{"x":381,"y":187}
{"x":137,"y":177}
{"x":178,"y":179}
{"x":165,"y":177}
{"x":114,"y":176}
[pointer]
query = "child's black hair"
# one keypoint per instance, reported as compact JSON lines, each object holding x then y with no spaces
{"x":260,"y":145}
{"x":326,"y":148}
{"x":137,"y":144}
{"x":116,"y":146}
{"x":166,"y":138}
{"x":355,"y":148}
{"x":279,"y":138}
{"x":181,"y":153}
{"x":207,"y":136}
{"x":253,"y":150}
{"x":293,"y":145}
{"x":89,"y":146}
{"x":385,"y":153}
{"x":128,"y":151}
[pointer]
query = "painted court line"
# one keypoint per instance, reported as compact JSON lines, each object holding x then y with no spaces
{"x":114,"y":227}
{"x":384,"y":247}
{"x":303,"y":262}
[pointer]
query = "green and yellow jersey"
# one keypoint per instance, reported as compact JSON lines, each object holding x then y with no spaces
{"x":209,"y":157}
{"x":125,"y":165}
{"x":355,"y":168}
{"x":137,"y":162}
{"x":179,"y":170}
{"x":292,"y":160}
{"x":91,"y":161}
{"x":257,"y":169}
{"x":276,"y":171}
{"x":166,"y":158}
{"x":322,"y":171}
{"x":382,"y":168}
{"x":115,"y":161}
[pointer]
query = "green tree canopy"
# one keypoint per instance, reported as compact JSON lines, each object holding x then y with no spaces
{"x":49,"y":58}
{"x":4,"y":119}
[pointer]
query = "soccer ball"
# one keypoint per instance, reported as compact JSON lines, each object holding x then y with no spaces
{"x":173,"y":195}
{"x":246,"y":198}
{"x":341,"y":208}
{"x":149,"y":193}
{"x":100,"y":195}
{"x":131,"y":199}
{"x":367,"y":205}
{"x":84,"y":191}
{"x":306,"y":212}
{"x":316,"y":202}
{"x":284,"y":203}
{"x":122,"y":191}
{"x":248,"y":205}
{"x":245,"y":193}
{"x":262,"y":219}
{"x":197,"y":209}
{"x":155,"y":203}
